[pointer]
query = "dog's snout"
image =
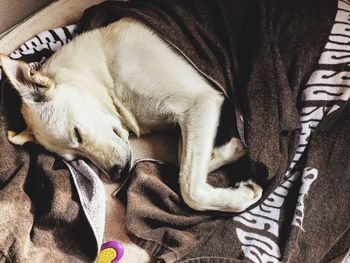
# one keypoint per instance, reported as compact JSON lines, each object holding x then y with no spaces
{"x":119,"y":172}
{"x":116,"y":172}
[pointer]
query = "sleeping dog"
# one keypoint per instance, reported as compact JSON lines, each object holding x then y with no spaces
{"x":123,"y":78}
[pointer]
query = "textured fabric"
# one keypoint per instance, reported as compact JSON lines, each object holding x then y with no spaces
{"x":92,"y":196}
{"x":43,"y":217}
{"x":283,"y":64}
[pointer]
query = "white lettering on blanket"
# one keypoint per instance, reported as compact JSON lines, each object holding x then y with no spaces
{"x":43,"y":45}
{"x":326,"y":91}
{"x":266,"y":215}
{"x":49,"y":40}
{"x":258,"y":248}
{"x":264,"y":218}
{"x":309,"y":176}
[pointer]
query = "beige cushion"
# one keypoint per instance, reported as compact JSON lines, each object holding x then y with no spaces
{"x":13,"y":11}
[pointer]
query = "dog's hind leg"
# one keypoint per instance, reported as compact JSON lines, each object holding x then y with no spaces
{"x":198,"y":127}
{"x":227,"y":153}
{"x":222,"y":155}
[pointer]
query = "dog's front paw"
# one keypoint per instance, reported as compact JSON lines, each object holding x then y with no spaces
{"x":249,"y":193}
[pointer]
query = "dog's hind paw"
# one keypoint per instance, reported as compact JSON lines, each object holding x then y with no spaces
{"x":206,"y":197}
{"x":241,"y":197}
{"x":250,"y":193}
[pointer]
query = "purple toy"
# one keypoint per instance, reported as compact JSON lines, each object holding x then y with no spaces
{"x":111,"y":252}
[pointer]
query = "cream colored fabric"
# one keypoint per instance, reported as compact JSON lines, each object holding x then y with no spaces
{"x":58,"y":14}
{"x":162,"y":145}
{"x":13,"y":11}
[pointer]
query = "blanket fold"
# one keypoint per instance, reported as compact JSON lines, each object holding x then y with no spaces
{"x":154,"y":195}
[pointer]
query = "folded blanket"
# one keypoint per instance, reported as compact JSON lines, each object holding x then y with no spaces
{"x":283,"y":66}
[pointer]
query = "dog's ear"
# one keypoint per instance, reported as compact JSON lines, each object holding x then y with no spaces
{"x":21,"y":138}
{"x":30,"y":84}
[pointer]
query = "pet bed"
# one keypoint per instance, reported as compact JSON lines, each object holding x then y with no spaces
{"x":296,"y":220}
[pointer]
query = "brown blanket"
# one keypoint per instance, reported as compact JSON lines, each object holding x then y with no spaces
{"x":284,"y":65}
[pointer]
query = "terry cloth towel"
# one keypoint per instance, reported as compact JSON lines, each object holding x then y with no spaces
{"x":51,"y":211}
{"x":285,"y":66}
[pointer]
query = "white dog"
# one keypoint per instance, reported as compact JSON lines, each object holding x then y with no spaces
{"x":91,"y":93}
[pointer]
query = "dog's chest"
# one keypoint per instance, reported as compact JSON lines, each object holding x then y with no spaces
{"x":151,"y":79}
{"x":150,"y":111}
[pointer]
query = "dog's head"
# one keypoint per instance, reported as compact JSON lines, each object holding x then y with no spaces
{"x":70,"y":118}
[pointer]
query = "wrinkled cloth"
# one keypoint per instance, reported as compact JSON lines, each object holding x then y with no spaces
{"x":283,"y":66}
{"x":51,"y":211}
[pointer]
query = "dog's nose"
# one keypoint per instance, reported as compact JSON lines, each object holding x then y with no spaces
{"x":119,"y":172}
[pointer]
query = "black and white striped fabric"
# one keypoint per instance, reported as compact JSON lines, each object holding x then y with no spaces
{"x":327,"y":89}
{"x":36,"y":50}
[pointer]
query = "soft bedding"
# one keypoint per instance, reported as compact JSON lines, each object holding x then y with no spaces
{"x":284,"y":67}
{"x":43,"y":216}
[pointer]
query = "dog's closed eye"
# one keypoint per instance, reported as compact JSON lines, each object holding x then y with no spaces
{"x":78,"y":135}
{"x":121,"y":134}
{"x":117,"y":132}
